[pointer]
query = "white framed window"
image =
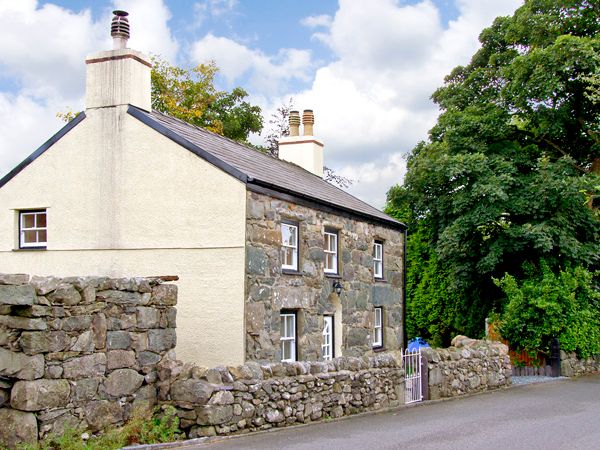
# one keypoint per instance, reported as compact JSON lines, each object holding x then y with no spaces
{"x":331,"y":251}
{"x":289,"y":246}
{"x":327,"y":346}
{"x":288,"y":336}
{"x":378,"y":259}
{"x":33,"y":231}
{"x":378,"y":327}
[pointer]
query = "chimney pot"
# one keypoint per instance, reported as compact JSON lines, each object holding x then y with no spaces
{"x":294,"y":123}
{"x":308,"y":120}
{"x":119,"y":29}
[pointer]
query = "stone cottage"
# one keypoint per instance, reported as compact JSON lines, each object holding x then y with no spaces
{"x":274,"y":263}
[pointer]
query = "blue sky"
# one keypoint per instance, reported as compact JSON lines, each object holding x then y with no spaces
{"x":367,"y":68}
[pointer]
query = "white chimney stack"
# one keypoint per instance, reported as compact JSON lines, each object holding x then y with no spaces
{"x":120,"y":76}
{"x":305,"y":151}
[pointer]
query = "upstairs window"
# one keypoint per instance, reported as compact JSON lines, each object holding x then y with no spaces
{"x":378,"y":259}
{"x":287,"y":333}
{"x":331,"y":251}
{"x":378,"y":327}
{"x":33,"y":229}
{"x":289,"y":246}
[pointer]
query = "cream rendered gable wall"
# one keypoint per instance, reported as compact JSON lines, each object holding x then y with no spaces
{"x":123,"y":200}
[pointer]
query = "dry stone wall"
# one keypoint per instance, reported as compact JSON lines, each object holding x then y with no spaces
{"x":252,"y":397}
{"x":309,"y":291}
{"x":572,"y":366}
{"x":80,"y":351}
{"x":468,"y":366}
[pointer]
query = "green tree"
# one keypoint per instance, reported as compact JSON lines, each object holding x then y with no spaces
{"x":190,"y":95}
{"x":509,"y":169}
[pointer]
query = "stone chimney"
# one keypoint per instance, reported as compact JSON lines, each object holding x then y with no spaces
{"x":306,"y":151}
{"x":120,"y":76}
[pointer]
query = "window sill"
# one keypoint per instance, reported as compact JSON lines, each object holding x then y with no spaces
{"x":379,"y":349}
{"x":29,"y":249}
{"x":379,"y":280}
{"x":290,"y":272}
{"x":333,"y":275}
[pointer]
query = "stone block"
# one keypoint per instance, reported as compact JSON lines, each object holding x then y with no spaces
{"x":14,"y":278}
{"x":255,"y":317}
{"x":39,"y":394}
{"x":191,"y":391}
{"x":65,"y":294}
{"x":34,"y":342}
{"x":17,"y":295}
{"x":146,"y":358}
{"x":164,"y":295}
{"x":76,"y":323}
{"x":256,"y":261}
{"x":123,"y":382}
{"x":23,"y":323}
{"x":161,"y":339}
{"x":147,"y":317}
{"x":214,"y":414}
{"x":84,"y":342}
{"x":103,"y":413}
{"x":221,"y":398}
{"x":123,"y":298}
{"x":17,"y":428}
{"x":123,"y":322}
{"x":85,"y":366}
{"x":85,"y":389}
{"x":99,"y":329}
{"x":119,"y":359}
{"x":44,"y":285}
{"x":118,"y":340}
{"x":20,"y":366}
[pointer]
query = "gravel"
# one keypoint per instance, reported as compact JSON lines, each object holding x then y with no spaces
{"x":536,"y":379}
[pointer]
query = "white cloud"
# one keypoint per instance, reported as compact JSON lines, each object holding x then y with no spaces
{"x":322,"y":20}
{"x":372,"y":103}
{"x":266,"y":73}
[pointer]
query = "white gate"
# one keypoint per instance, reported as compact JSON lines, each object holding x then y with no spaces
{"x":411,"y":361}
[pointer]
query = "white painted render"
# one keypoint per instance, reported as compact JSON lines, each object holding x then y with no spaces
{"x":304,"y":151}
{"x":123,"y":200}
{"x":118,"y":77}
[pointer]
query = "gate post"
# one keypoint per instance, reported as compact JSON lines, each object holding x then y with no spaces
{"x":555,"y":357}
{"x":424,"y":377}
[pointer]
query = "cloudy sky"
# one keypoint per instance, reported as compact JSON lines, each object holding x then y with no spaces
{"x":366,"y":67}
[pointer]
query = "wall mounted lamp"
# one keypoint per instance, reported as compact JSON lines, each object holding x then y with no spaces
{"x":337,"y":287}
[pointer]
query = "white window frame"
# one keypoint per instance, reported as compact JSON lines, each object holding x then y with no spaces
{"x":328,"y":337}
{"x":378,"y":259}
{"x":288,"y":335}
{"x":331,"y":236}
{"x":35,"y":228}
{"x":286,"y":245}
{"x":378,"y":326}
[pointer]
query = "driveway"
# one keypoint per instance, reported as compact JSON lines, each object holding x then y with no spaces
{"x":561,"y":414}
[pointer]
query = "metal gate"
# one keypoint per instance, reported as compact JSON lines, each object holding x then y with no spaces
{"x":411,"y":361}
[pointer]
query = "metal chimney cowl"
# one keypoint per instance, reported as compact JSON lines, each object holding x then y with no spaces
{"x":119,"y":29}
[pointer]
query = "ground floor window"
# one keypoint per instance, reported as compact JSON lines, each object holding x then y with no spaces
{"x":32,"y":229}
{"x":378,"y":327}
{"x":327,"y":346}
{"x":288,"y":335}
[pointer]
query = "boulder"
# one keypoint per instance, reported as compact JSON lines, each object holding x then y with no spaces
{"x":39,"y":394}
{"x":21,"y":366}
{"x":123,"y":382}
{"x":17,"y":428}
{"x":17,"y":295}
{"x":191,"y":391}
{"x":85,"y":366}
{"x":103,"y":413}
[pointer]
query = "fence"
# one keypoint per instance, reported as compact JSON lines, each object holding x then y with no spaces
{"x":412,"y":361}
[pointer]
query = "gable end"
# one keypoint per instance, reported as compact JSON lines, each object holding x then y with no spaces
{"x":45,"y":146}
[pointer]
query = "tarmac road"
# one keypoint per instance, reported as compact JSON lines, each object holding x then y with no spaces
{"x":562,"y":414}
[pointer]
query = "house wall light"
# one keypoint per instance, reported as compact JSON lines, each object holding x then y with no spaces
{"x":337,"y":287}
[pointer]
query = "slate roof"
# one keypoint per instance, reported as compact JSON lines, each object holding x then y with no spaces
{"x":256,"y":168}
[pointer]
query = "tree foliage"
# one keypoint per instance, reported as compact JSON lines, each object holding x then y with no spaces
{"x":190,"y":95}
{"x":511,"y":168}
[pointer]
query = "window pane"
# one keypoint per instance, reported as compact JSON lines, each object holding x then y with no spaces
{"x":28,"y":221}
{"x":41,"y":220}
{"x":286,"y":349}
{"x":29,"y":237}
{"x":329,"y":261}
{"x":42,"y":236}
{"x":282,"y":326}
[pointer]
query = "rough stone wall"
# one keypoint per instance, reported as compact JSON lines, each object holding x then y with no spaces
{"x":309,"y":292}
{"x":79,"y":351}
{"x":572,"y":366}
{"x":469,"y":365}
{"x":252,"y":397}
